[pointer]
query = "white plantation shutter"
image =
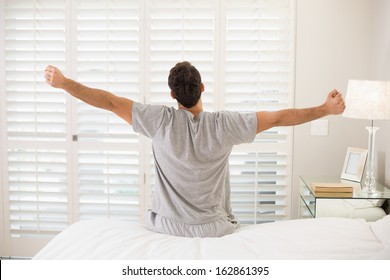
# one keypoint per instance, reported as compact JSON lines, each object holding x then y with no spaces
{"x":108,"y":53}
{"x":35,"y":168}
{"x":258,"y":76}
{"x":107,"y":57}
{"x":34,"y":36}
{"x":63,"y":160}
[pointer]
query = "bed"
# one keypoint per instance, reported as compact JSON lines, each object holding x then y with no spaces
{"x":320,"y":238}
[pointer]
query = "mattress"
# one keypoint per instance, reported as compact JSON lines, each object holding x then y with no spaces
{"x":321,"y":238}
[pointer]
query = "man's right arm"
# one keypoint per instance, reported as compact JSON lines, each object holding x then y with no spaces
{"x":96,"y":97}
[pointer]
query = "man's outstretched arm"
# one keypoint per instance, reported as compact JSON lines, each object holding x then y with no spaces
{"x":333,"y":105}
{"x":96,"y":97}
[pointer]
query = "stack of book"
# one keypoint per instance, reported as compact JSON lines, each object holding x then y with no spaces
{"x":332,"y":190}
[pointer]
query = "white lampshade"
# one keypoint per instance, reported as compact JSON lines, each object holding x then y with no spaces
{"x":368,"y":100}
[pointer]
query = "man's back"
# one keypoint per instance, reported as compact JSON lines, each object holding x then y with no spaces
{"x":192,"y":160}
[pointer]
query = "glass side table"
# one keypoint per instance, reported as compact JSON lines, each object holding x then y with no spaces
{"x":308,"y":199}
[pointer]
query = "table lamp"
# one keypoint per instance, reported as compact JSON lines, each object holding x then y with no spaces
{"x":368,"y":100}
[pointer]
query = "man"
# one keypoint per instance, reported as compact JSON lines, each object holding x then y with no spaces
{"x":191,"y":148}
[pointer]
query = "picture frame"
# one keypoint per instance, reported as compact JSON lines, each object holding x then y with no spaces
{"x":354,"y":163}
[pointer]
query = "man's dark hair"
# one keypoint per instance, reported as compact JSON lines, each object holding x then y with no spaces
{"x":185,"y":83}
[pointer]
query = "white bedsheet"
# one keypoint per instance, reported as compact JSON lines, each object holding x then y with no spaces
{"x":321,"y":238}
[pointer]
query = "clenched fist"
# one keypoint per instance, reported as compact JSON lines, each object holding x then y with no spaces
{"x":54,"y":77}
{"x":334,"y":103}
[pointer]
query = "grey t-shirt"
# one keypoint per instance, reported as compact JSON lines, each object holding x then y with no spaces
{"x":192,"y":184}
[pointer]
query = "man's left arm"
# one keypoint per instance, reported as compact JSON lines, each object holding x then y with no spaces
{"x":333,"y":105}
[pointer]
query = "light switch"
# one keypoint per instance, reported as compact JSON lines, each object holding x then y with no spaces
{"x":319,"y":127}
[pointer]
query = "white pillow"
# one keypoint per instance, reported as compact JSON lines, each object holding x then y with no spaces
{"x":365,"y":203}
{"x":381,"y":229}
{"x":346,"y":208}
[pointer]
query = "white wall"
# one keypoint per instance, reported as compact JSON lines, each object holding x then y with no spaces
{"x":334,"y":44}
{"x":381,"y":71}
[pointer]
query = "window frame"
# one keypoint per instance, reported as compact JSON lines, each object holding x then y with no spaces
{"x":7,"y":244}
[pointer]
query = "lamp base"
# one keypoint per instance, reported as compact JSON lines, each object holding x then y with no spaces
{"x":369,"y":180}
{"x":370,"y":185}
{"x":370,"y":192}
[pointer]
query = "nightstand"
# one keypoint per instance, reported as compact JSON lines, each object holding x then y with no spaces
{"x":310,"y":203}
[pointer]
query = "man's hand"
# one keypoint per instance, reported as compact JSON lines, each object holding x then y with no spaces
{"x":54,"y":77}
{"x":334,"y":104}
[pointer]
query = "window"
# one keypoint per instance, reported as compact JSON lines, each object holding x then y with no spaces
{"x":35,"y":159}
{"x":63,"y":160}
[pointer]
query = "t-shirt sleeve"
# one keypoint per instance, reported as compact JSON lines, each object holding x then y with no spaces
{"x":239,"y":127}
{"x":147,"y":119}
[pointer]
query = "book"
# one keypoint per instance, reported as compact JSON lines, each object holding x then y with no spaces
{"x":333,"y":194}
{"x":331,"y":188}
